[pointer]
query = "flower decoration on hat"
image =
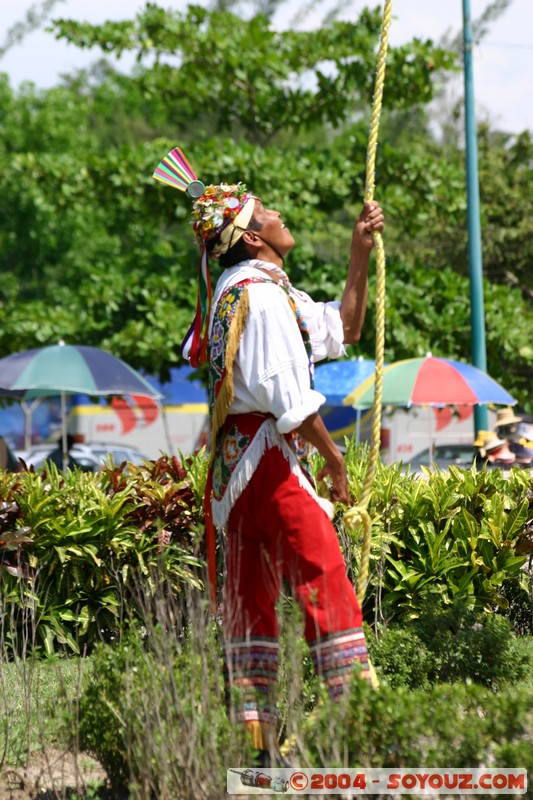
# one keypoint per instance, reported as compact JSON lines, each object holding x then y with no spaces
{"x":221,"y":214}
{"x":218,"y":207}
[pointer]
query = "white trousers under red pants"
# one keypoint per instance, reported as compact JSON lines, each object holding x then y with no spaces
{"x":277,"y":530}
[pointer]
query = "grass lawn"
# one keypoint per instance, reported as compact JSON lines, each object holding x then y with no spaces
{"x":37,"y":700}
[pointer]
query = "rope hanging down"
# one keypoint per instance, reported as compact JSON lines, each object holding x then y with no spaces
{"x":359,"y":514}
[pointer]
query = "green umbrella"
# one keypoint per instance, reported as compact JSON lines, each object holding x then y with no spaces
{"x":69,"y":369}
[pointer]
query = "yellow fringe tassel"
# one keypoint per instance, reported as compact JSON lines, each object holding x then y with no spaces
{"x":262,"y":734}
{"x":226,"y":393}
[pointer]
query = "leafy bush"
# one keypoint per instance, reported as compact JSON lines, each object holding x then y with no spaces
{"x":400,"y":657}
{"x":453,"y":644}
{"x":454,"y":536}
{"x":449,"y":725}
{"x":520,"y":604}
{"x":91,"y":540}
{"x":153,"y":713}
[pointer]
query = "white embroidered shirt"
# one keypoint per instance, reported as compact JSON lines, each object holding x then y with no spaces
{"x":271,"y":370}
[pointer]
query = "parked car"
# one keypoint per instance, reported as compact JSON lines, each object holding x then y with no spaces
{"x":444,"y":456}
{"x":89,"y":456}
{"x":117,"y":453}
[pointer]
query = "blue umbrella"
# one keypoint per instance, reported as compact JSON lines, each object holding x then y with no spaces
{"x":335,"y":380}
{"x":182,"y":387}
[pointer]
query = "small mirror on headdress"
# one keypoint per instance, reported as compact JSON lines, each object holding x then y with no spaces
{"x":195,"y":189}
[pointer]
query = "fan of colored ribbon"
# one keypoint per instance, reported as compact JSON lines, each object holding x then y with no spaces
{"x":174,"y":170}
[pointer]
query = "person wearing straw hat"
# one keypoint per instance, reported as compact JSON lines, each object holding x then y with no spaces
{"x":497,"y":452}
{"x":480,"y":455}
{"x":507,"y":427}
{"x":261,"y":337}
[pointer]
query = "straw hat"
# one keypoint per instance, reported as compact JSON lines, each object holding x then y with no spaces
{"x":497,"y":450}
{"x":506,"y":416}
{"x":493,"y":442}
{"x":481,"y":438}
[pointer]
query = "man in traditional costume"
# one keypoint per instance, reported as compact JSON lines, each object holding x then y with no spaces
{"x":263,"y":338}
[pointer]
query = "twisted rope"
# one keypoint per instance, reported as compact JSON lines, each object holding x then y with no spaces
{"x":358,"y":514}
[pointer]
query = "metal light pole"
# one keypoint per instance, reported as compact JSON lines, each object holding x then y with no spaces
{"x":475,"y":261}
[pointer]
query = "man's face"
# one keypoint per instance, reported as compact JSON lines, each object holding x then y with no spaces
{"x":273,"y":231}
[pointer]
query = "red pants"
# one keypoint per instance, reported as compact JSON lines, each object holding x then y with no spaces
{"x":275,"y":530}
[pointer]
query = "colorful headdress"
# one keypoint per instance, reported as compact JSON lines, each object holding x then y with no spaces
{"x":220,"y":216}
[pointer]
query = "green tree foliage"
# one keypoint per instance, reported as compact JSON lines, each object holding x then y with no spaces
{"x":253,"y":80}
{"x":92,"y":250}
{"x":33,"y":20}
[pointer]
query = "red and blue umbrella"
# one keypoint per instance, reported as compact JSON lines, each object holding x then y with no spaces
{"x":431,"y":381}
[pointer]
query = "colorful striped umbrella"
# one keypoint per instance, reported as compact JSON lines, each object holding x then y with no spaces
{"x":431,"y":381}
{"x":72,"y":369}
{"x":69,"y":369}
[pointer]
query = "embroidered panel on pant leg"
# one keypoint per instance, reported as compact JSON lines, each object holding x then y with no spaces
{"x":251,"y":665}
{"x":335,"y":656}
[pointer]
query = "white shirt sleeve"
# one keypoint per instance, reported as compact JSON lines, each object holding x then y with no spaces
{"x":271,"y":371}
{"x":325,"y":326}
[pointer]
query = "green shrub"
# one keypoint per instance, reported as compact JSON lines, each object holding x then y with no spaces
{"x":75,"y":546}
{"x":153,"y":713}
{"x":469,"y":645}
{"x":400,"y":657}
{"x":449,"y":725}
{"x":448,"y":645}
{"x":455,"y":536}
{"x":89,"y":541}
{"x":520,"y":603}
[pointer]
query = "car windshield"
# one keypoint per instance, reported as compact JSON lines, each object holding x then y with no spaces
{"x":118,"y":455}
{"x":445,"y":455}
